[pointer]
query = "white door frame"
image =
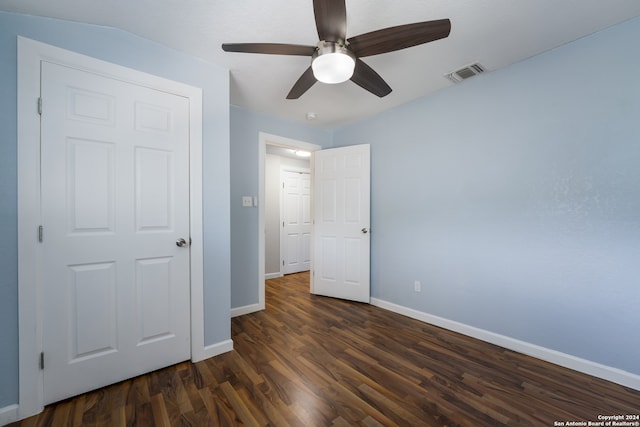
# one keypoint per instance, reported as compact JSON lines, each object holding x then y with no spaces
{"x":30,"y":303}
{"x":265,"y":139}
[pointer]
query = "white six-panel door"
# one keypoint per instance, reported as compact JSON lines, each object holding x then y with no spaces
{"x":341,"y":242}
{"x":296,"y":222}
{"x":115,"y":199}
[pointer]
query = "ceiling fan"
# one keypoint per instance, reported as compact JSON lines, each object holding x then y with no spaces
{"x":336,"y":58}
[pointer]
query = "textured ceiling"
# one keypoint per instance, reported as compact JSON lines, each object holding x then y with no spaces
{"x":495,"y":33}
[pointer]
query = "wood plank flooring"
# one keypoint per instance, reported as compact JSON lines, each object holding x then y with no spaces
{"x":316,"y":361}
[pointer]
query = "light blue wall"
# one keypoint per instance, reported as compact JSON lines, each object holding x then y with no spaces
{"x":515,"y":199}
{"x":128,"y":50}
{"x":245,"y":128}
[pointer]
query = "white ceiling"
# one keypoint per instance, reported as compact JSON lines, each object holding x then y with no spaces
{"x":495,"y":33}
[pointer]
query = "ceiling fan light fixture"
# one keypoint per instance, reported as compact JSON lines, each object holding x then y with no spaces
{"x":336,"y":58}
{"x":332,"y":63}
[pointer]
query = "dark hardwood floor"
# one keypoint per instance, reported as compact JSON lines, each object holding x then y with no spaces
{"x":316,"y":361}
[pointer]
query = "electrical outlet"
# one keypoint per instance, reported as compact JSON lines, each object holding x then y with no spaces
{"x":247,"y":201}
{"x":416,"y":286}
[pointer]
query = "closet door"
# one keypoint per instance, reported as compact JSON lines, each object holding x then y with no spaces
{"x":296,"y":222}
{"x":115,"y":215}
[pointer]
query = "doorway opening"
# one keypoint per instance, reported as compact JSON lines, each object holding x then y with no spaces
{"x":274,"y":143}
{"x":287,"y":212}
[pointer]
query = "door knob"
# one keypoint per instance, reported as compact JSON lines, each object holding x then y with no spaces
{"x":365,"y":230}
{"x":181,"y":242}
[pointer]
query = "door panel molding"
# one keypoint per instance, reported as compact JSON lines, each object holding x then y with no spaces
{"x":30,"y":314}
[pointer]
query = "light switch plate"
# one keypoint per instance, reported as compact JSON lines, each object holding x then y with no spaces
{"x":247,"y":201}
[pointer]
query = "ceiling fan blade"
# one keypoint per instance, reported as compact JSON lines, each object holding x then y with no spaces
{"x":331,"y":19}
{"x":303,"y":84}
{"x":400,"y":37}
{"x":270,"y":48}
{"x":366,"y":78}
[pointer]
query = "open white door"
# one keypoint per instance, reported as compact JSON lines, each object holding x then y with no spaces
{"x":341,"y":243}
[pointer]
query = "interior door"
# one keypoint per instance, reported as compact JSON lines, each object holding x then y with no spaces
{"x":341,"y":242}
{"x":115,"y":204}
{"x":296,"y":222}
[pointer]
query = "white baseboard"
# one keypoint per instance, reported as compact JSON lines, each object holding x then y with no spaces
{"x":273,"y":275}
{"x":598,"y":370}
{"x":8,"y":414}
{"x":239,"y":311}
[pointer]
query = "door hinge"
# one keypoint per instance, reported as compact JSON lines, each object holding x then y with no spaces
{"x":42,"y":360}
{"x":40,"y":106}
{"x":40,"y":233}
{"x":283,"y":263}
{"x":282,"y":224}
